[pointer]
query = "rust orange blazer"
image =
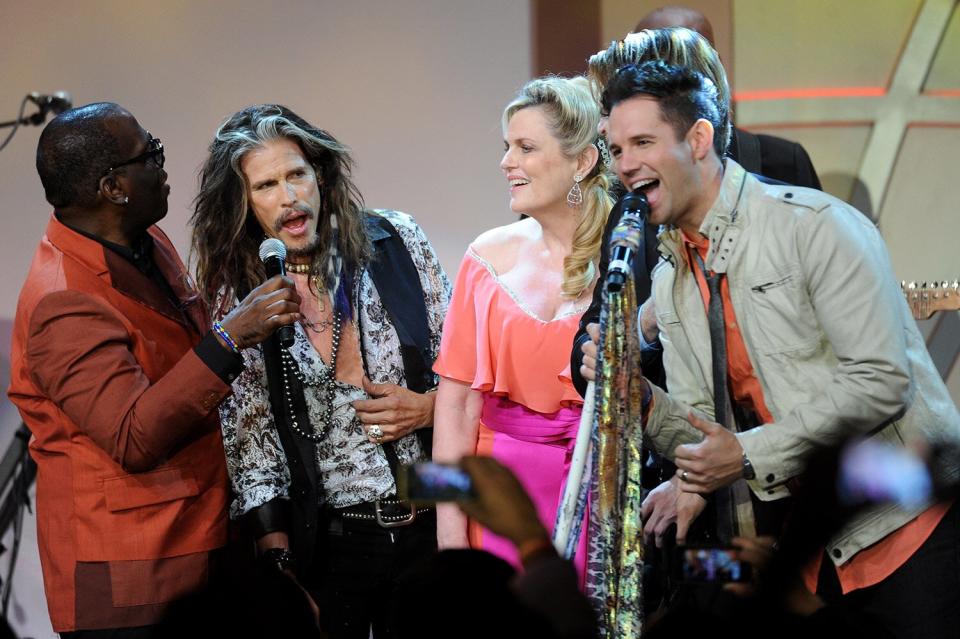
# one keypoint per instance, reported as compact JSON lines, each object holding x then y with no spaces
{"x":132,"y":483}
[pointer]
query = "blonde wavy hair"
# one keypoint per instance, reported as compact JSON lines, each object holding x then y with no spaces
{"x":573,"y":114}
{"x":677,"y":46}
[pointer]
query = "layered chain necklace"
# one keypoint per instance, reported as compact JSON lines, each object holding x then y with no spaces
{"x":327,"y":382}
{"x":317,"y":282}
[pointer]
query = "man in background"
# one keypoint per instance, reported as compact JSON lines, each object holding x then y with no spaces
{"x":763,"y":154}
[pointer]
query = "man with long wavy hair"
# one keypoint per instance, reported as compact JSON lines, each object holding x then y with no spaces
{"x":313,"y":453}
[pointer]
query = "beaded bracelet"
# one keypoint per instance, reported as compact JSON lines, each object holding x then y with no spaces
{"x":222,"y":332}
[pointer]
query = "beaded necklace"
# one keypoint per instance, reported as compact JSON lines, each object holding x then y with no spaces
{"x":300,"y":269}
{"x":307,"y":269}
{"x":327,"y":381}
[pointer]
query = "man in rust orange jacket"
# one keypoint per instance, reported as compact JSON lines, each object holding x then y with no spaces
{"x":117,"y":373}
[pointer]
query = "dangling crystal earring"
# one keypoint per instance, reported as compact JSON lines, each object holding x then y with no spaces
{"x":575,"y":196}
{"x":604,"y":153}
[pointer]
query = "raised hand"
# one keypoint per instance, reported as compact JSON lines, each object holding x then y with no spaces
{"x":501,"y":503}
{"x":273,"y":304}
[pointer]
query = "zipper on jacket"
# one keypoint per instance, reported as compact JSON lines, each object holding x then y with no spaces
{"x":762,"y":288}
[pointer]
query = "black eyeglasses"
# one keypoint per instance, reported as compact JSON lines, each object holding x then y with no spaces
{"x":154,"y":151}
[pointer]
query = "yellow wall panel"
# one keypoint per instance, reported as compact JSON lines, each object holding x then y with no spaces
{"x":818,"y":43}
{"x":945,"y":72}
{"x":836,"y":152}
{"x":919,"y":219}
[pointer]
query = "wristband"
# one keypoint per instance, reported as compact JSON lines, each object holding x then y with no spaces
{"x":222,"y":332}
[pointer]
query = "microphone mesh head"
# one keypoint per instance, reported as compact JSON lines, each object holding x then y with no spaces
{"x":272,"y":247}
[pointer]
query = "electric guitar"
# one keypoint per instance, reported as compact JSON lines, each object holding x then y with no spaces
{"x":926,"y":299}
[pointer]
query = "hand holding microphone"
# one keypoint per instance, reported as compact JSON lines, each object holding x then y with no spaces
{"x":624,"y":246}
{"x":271,"y":307}
{"x":272,"y":254}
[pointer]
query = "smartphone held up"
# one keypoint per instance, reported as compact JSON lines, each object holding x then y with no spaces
{"x":430,"y":482}
{"x":714,"y":564}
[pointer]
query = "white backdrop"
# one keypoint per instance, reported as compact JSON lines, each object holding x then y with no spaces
{"x":414,"y":87}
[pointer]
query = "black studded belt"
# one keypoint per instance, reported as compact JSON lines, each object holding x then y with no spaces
{"x":387,"y":513}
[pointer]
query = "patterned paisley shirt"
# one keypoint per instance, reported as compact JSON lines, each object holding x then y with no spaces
{"x":351,"y":468}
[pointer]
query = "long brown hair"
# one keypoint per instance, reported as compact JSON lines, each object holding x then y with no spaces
{"x":227,"y":236}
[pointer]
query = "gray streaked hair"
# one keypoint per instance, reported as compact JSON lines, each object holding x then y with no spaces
{"x":226,"y":234}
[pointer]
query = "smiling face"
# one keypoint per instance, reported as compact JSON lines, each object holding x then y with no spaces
{"x":649,"y":156}
{"x":538,"y":172}
{"x":284,"y":195}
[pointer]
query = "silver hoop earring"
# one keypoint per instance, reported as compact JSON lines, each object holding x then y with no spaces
{"x":575,"y":195}
{"x":126,"y":200}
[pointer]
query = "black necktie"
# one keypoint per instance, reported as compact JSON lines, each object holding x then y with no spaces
{"x":734,"y":508}
{"x":718,"y":346}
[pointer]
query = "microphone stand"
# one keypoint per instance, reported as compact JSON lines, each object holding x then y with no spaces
{"x":34,"y":119}
{"x":17,"y":472}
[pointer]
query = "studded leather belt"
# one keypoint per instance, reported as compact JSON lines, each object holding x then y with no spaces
{"x":387,"y":513}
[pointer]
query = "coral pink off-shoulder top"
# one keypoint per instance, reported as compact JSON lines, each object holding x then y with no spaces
{"x":493,"y":342}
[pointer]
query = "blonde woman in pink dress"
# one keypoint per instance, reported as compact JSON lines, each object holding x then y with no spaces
{"x":504,"y":357}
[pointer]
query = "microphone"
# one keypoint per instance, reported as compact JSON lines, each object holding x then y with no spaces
{"x":272,"y":254}
{"x":56,"y":103}
{"x":625,"y":240}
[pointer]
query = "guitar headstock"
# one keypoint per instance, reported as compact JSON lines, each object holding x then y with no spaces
{"x":926,"y":299}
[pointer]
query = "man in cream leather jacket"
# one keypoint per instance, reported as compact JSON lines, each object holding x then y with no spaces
{"x":820,"y":346}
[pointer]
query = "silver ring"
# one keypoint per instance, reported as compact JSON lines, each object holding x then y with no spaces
{"x":375,"y":431}
{"x":683,"y":475}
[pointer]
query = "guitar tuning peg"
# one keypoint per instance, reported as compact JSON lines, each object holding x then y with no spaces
{"x":912,"y":285}
{"x":903,"y":285}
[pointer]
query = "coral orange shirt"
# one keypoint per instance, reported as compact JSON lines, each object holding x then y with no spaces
{"x":869,"y":566}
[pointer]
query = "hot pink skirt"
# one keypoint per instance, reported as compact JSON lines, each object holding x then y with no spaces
{"x":537,"y":447}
